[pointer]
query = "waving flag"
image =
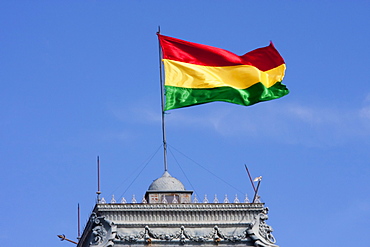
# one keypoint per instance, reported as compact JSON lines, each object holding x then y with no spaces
{"x":197,"y":74}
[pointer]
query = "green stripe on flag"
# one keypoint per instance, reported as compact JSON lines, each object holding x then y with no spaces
{"x":177,"y":97}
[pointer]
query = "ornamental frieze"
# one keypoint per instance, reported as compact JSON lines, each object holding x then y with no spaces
{"x":182,"y":235}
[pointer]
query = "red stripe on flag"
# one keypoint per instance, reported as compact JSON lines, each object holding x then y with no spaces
{"x":264,"y":58}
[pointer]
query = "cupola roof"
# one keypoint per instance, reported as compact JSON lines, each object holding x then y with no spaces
{"x":166,"y":183}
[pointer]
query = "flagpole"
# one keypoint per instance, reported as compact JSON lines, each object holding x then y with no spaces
{"x":162,"y":104}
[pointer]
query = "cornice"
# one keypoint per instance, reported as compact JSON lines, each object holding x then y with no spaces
{"x":174,"y":206}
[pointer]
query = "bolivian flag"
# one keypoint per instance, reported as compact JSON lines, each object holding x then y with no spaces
{"x":197,"y":74}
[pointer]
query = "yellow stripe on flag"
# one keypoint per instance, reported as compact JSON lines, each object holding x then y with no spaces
{"x":185,"y":75}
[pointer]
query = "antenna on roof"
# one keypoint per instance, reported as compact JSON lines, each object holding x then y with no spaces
{"x":78,"y":222}
{"x":250,"y":178}
{"x":98,"y":192}
{"x":257,"y":179}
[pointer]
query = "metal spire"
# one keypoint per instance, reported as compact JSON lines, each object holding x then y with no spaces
{"x":98,"y":192}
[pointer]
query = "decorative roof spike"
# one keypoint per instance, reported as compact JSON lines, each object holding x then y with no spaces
{"x":123,"y":200}
{"x":236,"y":200}
{"x":144,"y":200}
{"x":133,"y":199}
{"x":195,"y":200}
{"x":113,"y":200}
{"x":246,"y":200}
{"x":205,"y":199}
{"x":215,"y":200}
{"x":103,"y":201}
{"x":164,"y":200}
{"x":175,"y":200}
{"x":226,"y":200}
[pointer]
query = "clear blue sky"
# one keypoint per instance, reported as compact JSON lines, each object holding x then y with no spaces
{"x":80,"y":79}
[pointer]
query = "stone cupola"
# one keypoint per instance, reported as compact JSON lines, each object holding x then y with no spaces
{"x":167,"y":189}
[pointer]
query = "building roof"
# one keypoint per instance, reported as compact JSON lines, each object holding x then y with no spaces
{"x":166,"y":183}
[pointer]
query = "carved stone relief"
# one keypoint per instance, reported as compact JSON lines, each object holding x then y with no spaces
{"x":261,"y":232}
{"x":103,"y":232}
{"x":182,"y":236}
